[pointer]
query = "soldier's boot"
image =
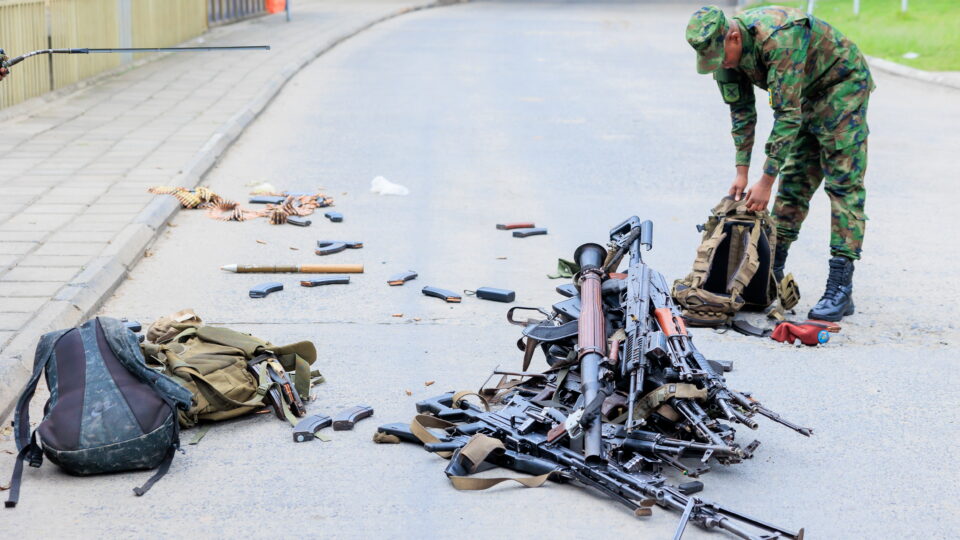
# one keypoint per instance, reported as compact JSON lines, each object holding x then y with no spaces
{"x":837,"y":299}
{"x":780,"y":261}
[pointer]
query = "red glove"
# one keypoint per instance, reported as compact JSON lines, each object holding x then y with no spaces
{"x":807,"y":333}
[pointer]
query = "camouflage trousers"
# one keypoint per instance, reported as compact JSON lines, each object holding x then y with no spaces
{"x":840,"y":162}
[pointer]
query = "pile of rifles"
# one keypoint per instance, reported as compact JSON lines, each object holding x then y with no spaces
{"x":626,"y":395}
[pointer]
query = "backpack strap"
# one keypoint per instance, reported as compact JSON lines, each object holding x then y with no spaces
{"x":164,"y":466}
{"x":705,"y":253}
{"x":126,"y":348}
{"x":31,"y":452}
{"x":297,"y":358}
{"x":266,"y":384}
{"x":749,"y":261}
{"x":172,"y":451}
{"x":26,"y":440}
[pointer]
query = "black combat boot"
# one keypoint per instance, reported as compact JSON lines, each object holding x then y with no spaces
{"x":780,"y":261}
{"x":837,"y":300}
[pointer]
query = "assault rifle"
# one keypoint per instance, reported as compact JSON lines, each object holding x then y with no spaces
{"x":630,"y":235}
{"x":520,"y":444}
{"x":696,"y":367}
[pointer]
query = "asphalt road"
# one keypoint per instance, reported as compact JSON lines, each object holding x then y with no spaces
{"x":575,"y":116}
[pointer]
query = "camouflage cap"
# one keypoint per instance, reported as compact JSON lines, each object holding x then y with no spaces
{"x":705,"y":33}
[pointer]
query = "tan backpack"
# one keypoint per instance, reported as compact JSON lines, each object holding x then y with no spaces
{"x":734,"y":268}
{"x":229,"y":373}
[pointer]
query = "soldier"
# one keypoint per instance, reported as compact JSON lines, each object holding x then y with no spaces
{"x":819,"y":85}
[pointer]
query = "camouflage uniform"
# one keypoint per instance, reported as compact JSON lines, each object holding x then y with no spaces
{"x":819,"y":86}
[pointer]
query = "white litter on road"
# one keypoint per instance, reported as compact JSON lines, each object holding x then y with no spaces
{"x":385,"y":187}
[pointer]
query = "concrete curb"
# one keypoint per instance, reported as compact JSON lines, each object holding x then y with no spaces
{"x":899,"y":70}
{"x":86,"y":292}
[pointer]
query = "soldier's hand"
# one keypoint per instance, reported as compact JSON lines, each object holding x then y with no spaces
{"x":758,"y":196}
{"x":739,"y":184}
{"x":3,"y":73}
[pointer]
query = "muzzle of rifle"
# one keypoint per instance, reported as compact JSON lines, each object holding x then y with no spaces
{"x":592,"y":338}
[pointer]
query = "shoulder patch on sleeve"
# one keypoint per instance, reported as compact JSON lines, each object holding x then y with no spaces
{"x":731,"y":92}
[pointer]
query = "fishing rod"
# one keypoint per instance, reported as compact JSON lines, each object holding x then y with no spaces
{"x":14,"y":61}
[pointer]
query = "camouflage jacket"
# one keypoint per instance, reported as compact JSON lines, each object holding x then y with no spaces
{"x":812,"y":72}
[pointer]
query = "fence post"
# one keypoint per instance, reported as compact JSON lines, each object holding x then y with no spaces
{"x":856,"y":7}
{"x":903,"y":6}
{"x":126,"y":29}
{"x":810,"y":6}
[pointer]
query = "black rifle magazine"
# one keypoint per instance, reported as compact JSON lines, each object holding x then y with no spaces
{"x":345,"y":419}
{"x":305,"y":429}
{"x":332,"y":280}
{"x":443,"y":294}
{"x":267,"y":199}
{"x":299,"y":221}
{"x":523,"y":233}
{"x":401,"y":278}
{"x":494,"y":294}
{"x":568,"y":290}
{"x":263,"y":289}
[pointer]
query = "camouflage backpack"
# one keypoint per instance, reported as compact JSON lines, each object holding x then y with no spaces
{"x":230,"y":373}
{"x":734,"y":268}
{"x":107,"y":411}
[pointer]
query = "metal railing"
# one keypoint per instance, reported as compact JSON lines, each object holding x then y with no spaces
{"x":224,"y":11}
{"x":27,"y":25}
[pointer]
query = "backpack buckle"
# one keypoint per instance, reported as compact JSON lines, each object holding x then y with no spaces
{"x":35,"y":456}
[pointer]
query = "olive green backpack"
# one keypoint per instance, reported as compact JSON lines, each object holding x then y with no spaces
{"x":226,"y":370}
{"x":734,"y":268}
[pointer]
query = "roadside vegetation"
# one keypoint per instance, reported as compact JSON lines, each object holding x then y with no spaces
{"x":928,"y":33}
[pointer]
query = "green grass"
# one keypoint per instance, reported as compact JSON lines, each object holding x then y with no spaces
{"x":930,"y":28}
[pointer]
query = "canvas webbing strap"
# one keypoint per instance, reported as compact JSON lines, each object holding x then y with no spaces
{"x":458,"y":397}
{"x":265,"y":380}
{"x":474,"y":453}
{"x":649,"y":403}
{"x":419,"y":427}
{"x":788,"y":292}
{"x":495,"y":394}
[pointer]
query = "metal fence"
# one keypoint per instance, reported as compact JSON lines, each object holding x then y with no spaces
{"x":27,"y":25}
{"x":23,"y":27}
{"x":224,"y":11}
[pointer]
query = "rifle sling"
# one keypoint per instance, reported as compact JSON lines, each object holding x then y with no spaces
{"x":419,"y":427}
{"x":546,"y":332}
{"x":472,"y":455}
{"x":530,"y":348}
{"x":650,"y":402}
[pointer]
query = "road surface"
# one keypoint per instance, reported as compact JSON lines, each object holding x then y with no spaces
{"x":575,"y":116}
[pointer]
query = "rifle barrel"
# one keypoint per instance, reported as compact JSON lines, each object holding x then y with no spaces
{"x":85,"y":50}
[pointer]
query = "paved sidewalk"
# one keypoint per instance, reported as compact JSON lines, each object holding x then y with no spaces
{"x":74,"y":174}
{"x":950,"y":79}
